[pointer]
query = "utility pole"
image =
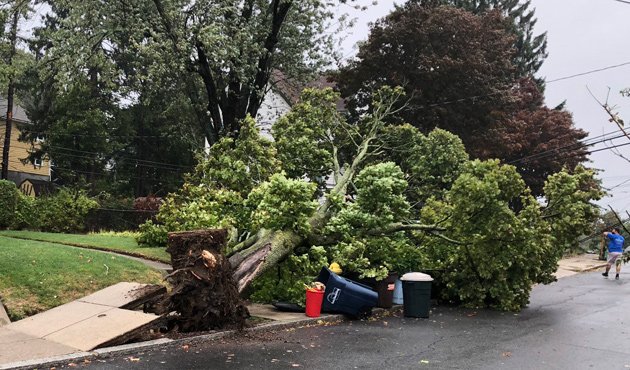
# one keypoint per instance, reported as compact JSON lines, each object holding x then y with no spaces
{"x":11,"y":91}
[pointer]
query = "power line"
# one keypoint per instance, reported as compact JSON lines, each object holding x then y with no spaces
{"x":591,"y":71}
{"x":555,"y":151}
{"x":134,"y":158}
{"x":164,"y":165}
{"x":568,"y":148}
{"x":622,"y":1}
{"x":547,"y":82}
{"x":101,"y":136}
{"x":608,"y":148}
{"x":122,"y":161}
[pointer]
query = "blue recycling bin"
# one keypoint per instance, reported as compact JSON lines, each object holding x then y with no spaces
{"x":346,"y":296}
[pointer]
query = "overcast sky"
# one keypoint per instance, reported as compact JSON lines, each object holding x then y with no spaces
{"x":583,"y":35}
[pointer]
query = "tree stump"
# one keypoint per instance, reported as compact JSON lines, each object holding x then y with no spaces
{"x":205,"y":295}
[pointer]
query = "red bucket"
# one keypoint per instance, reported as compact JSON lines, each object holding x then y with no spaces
{"x":314,"y":303}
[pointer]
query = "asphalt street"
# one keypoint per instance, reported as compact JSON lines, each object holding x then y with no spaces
{"x":579,"y":322}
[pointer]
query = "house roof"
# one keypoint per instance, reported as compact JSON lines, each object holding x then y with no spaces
{"x":19,"y":114}
{"x":290,"y":89}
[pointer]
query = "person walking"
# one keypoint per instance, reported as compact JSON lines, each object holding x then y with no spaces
{"x":615,"y":250}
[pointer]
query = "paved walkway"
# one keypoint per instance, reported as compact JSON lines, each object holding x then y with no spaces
{"x":576,"y":264}
{"x":81,"y":325}
{"x":74,"y":328}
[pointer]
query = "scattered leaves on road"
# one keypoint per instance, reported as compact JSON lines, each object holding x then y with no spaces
{"x":506,"y":354}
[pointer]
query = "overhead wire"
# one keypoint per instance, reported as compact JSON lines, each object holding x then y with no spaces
{"x":555,"y":151}
{"x":569,"y":148}
{"x":143,"y":162}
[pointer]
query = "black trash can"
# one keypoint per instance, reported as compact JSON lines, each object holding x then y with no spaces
{"x":346,"y":296}
{"x":416,"y":294}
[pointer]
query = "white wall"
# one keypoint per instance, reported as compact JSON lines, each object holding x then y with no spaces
{"x":273,"y":107}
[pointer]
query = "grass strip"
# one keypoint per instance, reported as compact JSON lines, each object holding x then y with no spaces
{"x":111,"y":243}
{"x":36,"y":276}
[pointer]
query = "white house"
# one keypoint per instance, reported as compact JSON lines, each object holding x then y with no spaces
{"x":282,"y":94}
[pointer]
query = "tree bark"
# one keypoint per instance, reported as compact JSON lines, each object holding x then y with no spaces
{"x":10,"y":94}
{"x":265,"y":253}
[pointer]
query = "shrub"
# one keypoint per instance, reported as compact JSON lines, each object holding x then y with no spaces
{"x":26,"y":215}
{"x":152,"y":235}
{"x":116,"y":214}
{"x":65,"y":211}
{"x":9,"y":198}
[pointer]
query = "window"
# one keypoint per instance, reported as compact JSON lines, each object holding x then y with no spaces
{"x":37,"y":162}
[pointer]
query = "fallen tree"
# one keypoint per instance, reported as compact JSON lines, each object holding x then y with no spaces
{"x":377,"y":198}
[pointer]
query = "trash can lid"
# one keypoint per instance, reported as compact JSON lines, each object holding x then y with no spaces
{"x":416,"y":276}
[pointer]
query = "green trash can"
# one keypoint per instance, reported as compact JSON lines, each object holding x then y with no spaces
{"x":416,"y":294}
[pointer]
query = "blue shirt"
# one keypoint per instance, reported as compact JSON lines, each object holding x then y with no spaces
{"x":615,"y":243}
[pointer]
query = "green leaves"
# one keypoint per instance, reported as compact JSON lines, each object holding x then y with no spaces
{"x":569,"y":208}
{"x":510,"y":241}
{"x":9,"y":198}
{"x":286,"y":283}
{"x":238,"y":165}
{"x":283,"y":204}
{"x":305,"y":137}
{"x":379,"y":202}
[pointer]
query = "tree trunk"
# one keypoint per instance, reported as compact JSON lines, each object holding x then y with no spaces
{"x":269,"y":250}
{"x":11,"y":91}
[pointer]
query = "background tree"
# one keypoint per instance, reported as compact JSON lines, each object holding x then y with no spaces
{"x":96,"y":128}
{"x":537,"y":140}
{"x":456,"y":67}
{"x":223,"y":52}
{"x":531,"y":50}
{"x":13,"y":65}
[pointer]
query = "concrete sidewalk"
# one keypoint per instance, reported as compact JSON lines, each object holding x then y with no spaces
{"x":582,"y":263}
{"x":82,"y":325}
{"x":34,"y":349}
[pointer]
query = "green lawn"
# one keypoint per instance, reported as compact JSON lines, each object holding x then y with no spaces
{"x":116,"y":243}
{"x":36,"y":276}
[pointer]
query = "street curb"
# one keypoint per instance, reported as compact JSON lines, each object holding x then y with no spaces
{"x":107,"y":352}
{"x":589,"y":269}
{"x":594,"y":267}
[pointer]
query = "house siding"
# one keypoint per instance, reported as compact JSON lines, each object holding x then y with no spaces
{"x":273,"y":107}
{"x":19,"y":151}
